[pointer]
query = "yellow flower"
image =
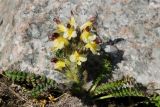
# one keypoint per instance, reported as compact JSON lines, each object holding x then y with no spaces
{"x":76,"y":57}
{"x":61,"y":28}
{"x":87,"y":37}
{"x":59,"y":43}
{"x":69,"y":31}
{"x":87,"y":24}
{"x":72,"y":22}
{"x":93,"y":47}
{"x":59,"y":65}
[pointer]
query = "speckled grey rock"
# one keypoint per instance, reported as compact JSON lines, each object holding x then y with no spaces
{"x":25,"y":24}
{"x":110,"y":49}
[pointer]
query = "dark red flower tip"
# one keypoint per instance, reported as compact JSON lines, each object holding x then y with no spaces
{"x":53,"y":36}
{"x":87,"y":28}
{"x":68,"y":26}
{"x":98,"y":40}
{"x":57,"y":20}
{"x":54,"y":60}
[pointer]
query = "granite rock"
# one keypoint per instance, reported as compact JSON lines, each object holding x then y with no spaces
{"x":25,"y":24}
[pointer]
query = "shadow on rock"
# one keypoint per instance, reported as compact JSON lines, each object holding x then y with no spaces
{"x":114,"y":53}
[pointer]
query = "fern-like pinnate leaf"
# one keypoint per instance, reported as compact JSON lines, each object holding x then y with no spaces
{"x":105,"y":69}
{"x":123,"y":93}
{"x":120,"y":88}
{"x":39,"y":83}
{"x":96,"y":82}
{"x":16,"y":76}
{"x":155,"y":99}
{"x":104,"y":88}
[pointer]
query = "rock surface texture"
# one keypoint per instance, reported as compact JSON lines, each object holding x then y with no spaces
{"x":25,"y":24}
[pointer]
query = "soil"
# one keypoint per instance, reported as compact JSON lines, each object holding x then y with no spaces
{"x":12,"y":95}
{"x":8,"y":96}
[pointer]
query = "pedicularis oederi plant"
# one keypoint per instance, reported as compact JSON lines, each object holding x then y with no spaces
{"x":72,"y":44}
{"x":78,"y":55}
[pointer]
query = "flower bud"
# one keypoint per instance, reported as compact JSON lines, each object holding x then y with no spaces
{"x":68,"y":26}
{"x":57,"y":20}
{"x":98,"y":40}
{"x":54,"y":60}
{"x":53,"y":36}
{"x":87,"y":28}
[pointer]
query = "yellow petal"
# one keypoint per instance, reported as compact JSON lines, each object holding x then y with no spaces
{"x":79,"y":62}
{"x":72,"y":58}
{"x":72,"y":21}
{"x":61,"y":28}
{"x":93,"y":47}
{"x":83,"y":59}
{"x":60,"y":43}
{"x":57,"y":46}
{"x":63,"y":40}
{"x":87,"y":24}
{"x":76,"y":54}
{"x":65,"y":35}
{"x":84,"y":36}
{"x":70,"y":33}
{"x":76,"y":57}
{"x":91,"y":38}
{"x":74,"y":34}
{"x":59,"y":65}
